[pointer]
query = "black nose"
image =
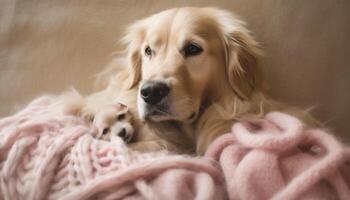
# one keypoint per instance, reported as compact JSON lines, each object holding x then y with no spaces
{"x":153,"y":92}
{"x":122,"y":133}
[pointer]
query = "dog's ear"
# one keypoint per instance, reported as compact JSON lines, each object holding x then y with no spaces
{"x":133,"y":40}
{"x":242,"y":64}
{"x":242,"y":55}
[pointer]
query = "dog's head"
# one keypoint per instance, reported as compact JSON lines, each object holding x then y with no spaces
{"x":184,"y":59}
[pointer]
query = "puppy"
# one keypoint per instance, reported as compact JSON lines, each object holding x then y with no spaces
{"x":111,"y":120}
{"x":114,"y":121}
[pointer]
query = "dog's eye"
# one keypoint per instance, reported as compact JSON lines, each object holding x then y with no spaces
{"x":192,"y":49}
{"x":105,"y":131}
{"x":148,"y":51}
{"x":121,"y":117}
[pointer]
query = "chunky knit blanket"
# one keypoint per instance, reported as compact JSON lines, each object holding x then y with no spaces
{"x":56,"y":157}
{"x":45,"y":157}
{"x":281,"y":159}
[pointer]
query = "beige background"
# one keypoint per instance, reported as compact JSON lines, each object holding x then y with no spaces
{"x":46,"y":46}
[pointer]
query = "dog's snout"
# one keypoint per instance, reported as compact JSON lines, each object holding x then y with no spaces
{"x":154,"y":92}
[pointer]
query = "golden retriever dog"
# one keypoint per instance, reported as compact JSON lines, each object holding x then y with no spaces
{"x":187,"y":74}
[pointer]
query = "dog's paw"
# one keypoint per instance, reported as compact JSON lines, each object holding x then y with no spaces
{"x":114,"y":121}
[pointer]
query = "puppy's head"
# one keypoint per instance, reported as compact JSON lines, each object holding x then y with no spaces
{"x":114,"y":120}
{"x":184,"y":59}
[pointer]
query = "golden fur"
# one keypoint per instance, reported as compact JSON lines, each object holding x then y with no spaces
{"x":209,"y":91}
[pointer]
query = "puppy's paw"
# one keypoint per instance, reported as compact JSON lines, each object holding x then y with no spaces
{"x":114,"y":121}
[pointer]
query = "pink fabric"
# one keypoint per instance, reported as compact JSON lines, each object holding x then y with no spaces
{"x":46,"y":157}
{"x":278,"y":158}
{"x":56,"y":157}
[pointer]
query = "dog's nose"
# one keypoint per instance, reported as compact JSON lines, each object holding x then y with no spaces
{"x":153,"y":92}
{"x":122,"y":133}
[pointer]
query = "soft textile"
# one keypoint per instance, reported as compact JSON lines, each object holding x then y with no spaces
{"x":45,"y":156}
{"x":279,"y":158}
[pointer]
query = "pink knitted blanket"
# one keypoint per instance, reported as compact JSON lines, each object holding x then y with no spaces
{"x":56,"y":157}
{"x":278,"y":158}
{"x":43,"y":157}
